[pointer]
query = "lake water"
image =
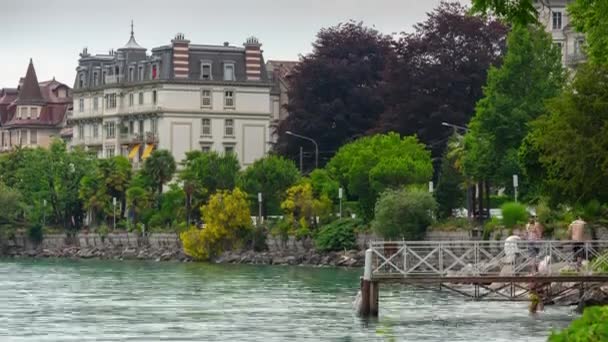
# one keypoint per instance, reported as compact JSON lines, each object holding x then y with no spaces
{"x":61,"y":300}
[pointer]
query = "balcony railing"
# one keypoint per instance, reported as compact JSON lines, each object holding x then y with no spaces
{"x":139,"y":109}
{"x":131,"y":138}
{"x":113,"y":79}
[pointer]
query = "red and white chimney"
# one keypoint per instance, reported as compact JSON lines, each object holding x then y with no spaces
{"x":180,"y":56}
{"x":253,"y":59}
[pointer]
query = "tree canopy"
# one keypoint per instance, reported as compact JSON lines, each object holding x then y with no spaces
{"x":369,"y":165}
{"x":589,"y":16}
{"x":520,"y":12}
{"x":566,"y":149}
{"x":438,"y":73}
{"x":515,"y":94}
{"x":335,"y":92}
{"x":271,"y":176}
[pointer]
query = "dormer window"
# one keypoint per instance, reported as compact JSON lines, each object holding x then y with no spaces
{"x":95,"y":78}
{"x":62,"y":92}
{"x":131,"y":74}
{"x":81,"y":80}
{"x":22,"y":112}
{"x":33,"y":112}
{"x":206,"y":71}
{"x":140,"y":73}
{"x":103,"y":76}
{"x":229,"y":72}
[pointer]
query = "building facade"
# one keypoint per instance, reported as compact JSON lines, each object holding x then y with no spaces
{"x":33,"y":114}
{"x":554,"y":16}
{"x":280,"y":73}
{"x":180,"y":97}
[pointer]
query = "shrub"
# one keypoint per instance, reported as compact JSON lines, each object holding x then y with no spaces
{"x":514,"y":214}
{"x":338,"y":235}
{"x":403,"y":214}
{"x":590,"y":327}
{"x":34,"y":233}
{"x":194,"y":244}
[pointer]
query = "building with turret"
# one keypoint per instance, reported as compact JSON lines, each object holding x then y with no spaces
{"x":179,"y":97}
{"x":33,"y":114}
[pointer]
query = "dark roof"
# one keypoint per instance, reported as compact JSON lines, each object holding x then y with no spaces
{"x":29,"y":92}
{"x":46,"y":95}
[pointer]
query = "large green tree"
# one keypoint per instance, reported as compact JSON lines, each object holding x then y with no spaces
{"x":521,"y":12}
{"x":369,"y":165}
{"x":515,"y":94}
{"x":590,"y":17}
{"x":565,"y":153}
{"x":271,"y":176}
{"x":203,"y":174}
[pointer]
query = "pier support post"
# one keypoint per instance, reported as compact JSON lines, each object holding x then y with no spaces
{"x":369,"y":289}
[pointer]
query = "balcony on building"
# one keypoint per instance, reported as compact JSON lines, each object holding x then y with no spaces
{"x":113,"y":79}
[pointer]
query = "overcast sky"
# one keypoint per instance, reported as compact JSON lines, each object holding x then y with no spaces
{"x":53,"y":32}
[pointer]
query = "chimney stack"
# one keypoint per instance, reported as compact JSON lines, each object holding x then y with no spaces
{"x":253,"y":59}
{"x":180,"y":56}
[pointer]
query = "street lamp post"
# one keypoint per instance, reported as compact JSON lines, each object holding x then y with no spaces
{"x":311,"y":140}
{"x":447,"y":124}
{"x":114,"y":206}
{"x":340,"y":191}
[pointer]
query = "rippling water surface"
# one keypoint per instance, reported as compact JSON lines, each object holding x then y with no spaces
{"x":60,"y":300}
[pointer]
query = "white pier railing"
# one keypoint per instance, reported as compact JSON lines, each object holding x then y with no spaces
{"x":487,"y":258}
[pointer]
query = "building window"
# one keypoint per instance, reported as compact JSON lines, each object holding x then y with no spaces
{"x":81,"y":131}
{"x":141,"y":127}
{"x":111,"y":101}
{"x":228,"y":149}
{"x":131,"y":127}
{"x":131,"y":100}
{"x":110,"y":129}
{"x":33,"y":112}
{"x":81,"y":80}
{"x":103,"y":77}
{"x":206,"y":71}
{"x":228,"y":72}
{"x":33,"y":137}
{"x":140,"y":73}
{"x":229,"y":127}
{"x":95,"y":130}
{"x":206,"y":148}
{"x":154,"y":125}
{"x":206,"y":98}
{"x":559,"y":45}
{"x":229,"y":98}
{"x":154,"y":71}
{"x":131,"y":74}
{"x":141,"y":98}
{"x":95,"y":103}
{"x":557,"y":20}
{"x":95,"y":78}
{"x":578,"y":46}
{"x":154,"y":96}
{"x":110,"y":151}
{"x":206,"y":127}
{"x":80,"y":105}
{"x":23,"y":137}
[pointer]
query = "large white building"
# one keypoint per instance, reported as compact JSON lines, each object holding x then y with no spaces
{"x":181,"y":97}
{"x":553,"y":15}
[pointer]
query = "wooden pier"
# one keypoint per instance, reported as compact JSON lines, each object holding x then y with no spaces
{"x":484,"y":270}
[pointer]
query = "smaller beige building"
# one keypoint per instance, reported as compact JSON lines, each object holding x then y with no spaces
{"x":34,"y":113}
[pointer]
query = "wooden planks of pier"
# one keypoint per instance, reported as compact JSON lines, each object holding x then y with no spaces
{"x":484,"y":270}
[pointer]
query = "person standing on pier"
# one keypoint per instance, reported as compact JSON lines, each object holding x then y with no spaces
{"x":576,"y":231}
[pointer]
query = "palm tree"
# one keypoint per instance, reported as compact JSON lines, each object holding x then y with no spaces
{"x":160,"y":167}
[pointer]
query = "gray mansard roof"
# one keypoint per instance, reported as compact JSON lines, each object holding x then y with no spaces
{"x":132,"y":55}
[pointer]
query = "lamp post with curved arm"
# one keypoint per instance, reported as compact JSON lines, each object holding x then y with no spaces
{"x":311,"y":140}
